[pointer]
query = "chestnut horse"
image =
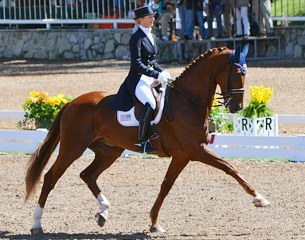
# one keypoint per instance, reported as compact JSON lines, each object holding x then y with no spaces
{"x":88,"y":122}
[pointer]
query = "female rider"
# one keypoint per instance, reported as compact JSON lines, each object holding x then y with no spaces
{"x":144,"y":74}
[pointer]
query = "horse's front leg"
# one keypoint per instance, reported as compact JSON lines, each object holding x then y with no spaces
{"x":176,"y":166}
{"x":206,"y":156}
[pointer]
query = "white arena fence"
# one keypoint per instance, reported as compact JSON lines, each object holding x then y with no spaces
{"x":227,"y":146}
{"x":59,"y":12}
{"x":116,"y":12}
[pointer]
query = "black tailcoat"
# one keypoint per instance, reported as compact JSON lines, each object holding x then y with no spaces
{"x":142,"y":54}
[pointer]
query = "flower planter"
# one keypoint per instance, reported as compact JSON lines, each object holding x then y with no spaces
{"x":43,"y":123}
{"x":41,"y":109}
{"x":266,"y":126}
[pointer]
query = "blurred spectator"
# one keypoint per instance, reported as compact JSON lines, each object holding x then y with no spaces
{"x":261,"y":10}
{"x":165,"y":13}
{"x":228,"y":6}
{"x":241,"y":16}
{"x":166,"y":18}
{"x":182,"y":14}
{"x":193,"y":11}
{"x":214,"y":10}
{"x":189,"y":22}
{"x":198,"y":10}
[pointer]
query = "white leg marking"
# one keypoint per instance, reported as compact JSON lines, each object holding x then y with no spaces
{"x":37,"y":217}
{"x":103,"y":204}
{"x":260,"y":201}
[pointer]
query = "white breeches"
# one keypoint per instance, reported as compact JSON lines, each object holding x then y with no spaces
{"x":143,"y":91}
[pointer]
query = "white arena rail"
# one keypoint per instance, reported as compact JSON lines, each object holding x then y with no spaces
{"x":279,"y":147}
{"x":9,"y":114}
{"x":227,"y":146}
{"x":23,"y":141}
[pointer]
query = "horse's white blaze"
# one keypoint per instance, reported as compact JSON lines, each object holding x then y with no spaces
{"x":103,"y":204}
{"x":37,"y":217}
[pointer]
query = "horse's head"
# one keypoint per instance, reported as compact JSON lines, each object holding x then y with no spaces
{"x":231,"y":79}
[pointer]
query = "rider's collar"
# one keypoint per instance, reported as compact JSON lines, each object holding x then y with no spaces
{"x":146,"y":30}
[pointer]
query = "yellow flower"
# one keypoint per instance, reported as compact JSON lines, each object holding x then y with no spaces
{"x":51,"y":101}
{"x":257,"y":107}
{"x":34,"y":94}
{"x":261,"y":94}
{"x":40,"y":107}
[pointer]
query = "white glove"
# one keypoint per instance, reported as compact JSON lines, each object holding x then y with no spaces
{"x":164,"y":77}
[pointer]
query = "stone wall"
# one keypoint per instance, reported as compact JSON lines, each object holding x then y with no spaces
{"x":85,"y":44}
{"x":99,"y":44}
{"x":293,"y":41}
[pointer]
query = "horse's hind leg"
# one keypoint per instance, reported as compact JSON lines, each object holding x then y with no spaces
{"x":214,"y":160}
{"x":64,"y":159}
{"x":176,"y":166}
{"x":104,"y":158}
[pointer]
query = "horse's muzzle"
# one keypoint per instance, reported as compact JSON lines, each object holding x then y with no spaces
{"x":233,"y":105}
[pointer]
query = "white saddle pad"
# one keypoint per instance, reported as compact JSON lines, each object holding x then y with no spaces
{"x":128,"y":118}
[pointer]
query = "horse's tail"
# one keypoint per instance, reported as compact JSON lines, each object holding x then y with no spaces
{"x":41,"y":156}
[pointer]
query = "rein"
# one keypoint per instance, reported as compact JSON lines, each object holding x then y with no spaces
{"x":226,"y":96}
{"x":191,"y":98}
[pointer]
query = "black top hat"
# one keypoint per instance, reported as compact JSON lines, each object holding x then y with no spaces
{"x":143,"y":11}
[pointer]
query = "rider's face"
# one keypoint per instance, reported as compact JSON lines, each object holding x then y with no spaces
{"x":147,"y":21}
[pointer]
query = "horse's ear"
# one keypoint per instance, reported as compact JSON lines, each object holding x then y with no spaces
{"x":245,"y":50}
{"x":237,"y":54}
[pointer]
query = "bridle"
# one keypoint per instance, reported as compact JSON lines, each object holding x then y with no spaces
{"x":226,"y":95}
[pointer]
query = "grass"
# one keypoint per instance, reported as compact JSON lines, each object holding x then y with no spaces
{"x":290,"y":8}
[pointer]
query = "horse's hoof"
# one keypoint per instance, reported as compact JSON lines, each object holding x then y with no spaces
{"x":260,"y":201}
{"x":36,"y":231}
{"x":156,"y":229}
{"x":100,"y":219}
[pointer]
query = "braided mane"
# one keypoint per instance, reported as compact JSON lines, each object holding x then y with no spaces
{"x":201,"y":57}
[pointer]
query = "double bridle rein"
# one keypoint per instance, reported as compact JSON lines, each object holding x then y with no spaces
{"x":226,"y":96}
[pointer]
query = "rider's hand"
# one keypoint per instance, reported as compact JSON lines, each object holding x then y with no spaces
{"x":155,"y":83}
{"x":164,"y":77}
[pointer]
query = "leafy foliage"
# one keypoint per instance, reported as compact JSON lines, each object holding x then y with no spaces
{"x":42,"y":109}
{"x":218,"y":117}
{"x":258,"y":107}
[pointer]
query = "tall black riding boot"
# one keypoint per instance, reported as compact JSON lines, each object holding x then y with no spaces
{"x":144,"y":124}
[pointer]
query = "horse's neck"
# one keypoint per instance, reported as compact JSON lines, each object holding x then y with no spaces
{"x":198,"y":82}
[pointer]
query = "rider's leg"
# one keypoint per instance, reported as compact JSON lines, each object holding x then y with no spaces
{"x":144,"y":94}
{"x":144,"y":123}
